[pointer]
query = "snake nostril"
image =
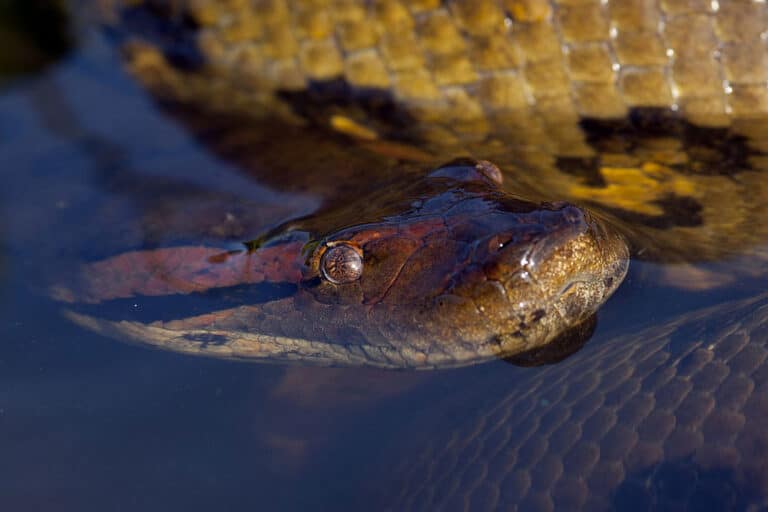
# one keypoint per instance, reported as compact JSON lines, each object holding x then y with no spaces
{"x":500,"y":241}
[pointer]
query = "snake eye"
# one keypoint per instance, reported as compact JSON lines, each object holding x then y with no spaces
{"x":341,"y":264}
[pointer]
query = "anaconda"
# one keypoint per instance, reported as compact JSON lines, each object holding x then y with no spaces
{"x":387,"y":289}
{"x":634,"y":143}
{"x":651,"y":112}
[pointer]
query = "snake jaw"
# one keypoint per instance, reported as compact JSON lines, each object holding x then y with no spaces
{"x":559,"y":283}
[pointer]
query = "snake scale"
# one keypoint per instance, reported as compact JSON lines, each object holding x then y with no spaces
{"x":652,"y":112}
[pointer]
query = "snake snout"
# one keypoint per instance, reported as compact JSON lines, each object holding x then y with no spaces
{"x":560,"y":228}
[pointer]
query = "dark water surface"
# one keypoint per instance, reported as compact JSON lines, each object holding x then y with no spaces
{"x":87,"y":423}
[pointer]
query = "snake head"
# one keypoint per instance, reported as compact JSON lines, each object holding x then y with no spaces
{"x":448,"y":270}
{"x":469,"y":270}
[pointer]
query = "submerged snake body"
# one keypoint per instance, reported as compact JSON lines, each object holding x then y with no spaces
{"x":674,"y":417}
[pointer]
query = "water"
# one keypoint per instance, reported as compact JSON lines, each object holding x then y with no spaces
{"x":90,"y":424}
{"x":87,"y":423}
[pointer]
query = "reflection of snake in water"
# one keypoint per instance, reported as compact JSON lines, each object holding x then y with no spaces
{"x":652,"y":113}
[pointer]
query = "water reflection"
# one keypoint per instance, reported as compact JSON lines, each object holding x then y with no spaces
{"x":86,"y":424}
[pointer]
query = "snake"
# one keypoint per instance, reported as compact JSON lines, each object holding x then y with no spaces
{"x":650,"y":115}
{"x":381,"y":291}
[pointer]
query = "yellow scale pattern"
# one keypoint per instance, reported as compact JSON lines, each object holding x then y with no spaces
{"x":510,"y":81}
{"x":478,"y":65}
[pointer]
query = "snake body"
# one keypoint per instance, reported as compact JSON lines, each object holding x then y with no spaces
{"x":669,"y":418}
{"x":386,"y":291}
{"x":653,"y":113}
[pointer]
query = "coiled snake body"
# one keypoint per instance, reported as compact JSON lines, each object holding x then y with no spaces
{"x":652,"y":113}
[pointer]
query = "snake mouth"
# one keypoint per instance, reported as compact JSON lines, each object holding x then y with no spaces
{"x":551,"y":284}
{"x":596,"y":261}
{"x":585,"y":291}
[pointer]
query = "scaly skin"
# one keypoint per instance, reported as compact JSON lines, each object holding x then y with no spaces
{"x":673,"y":417}
{"x":653,"y":112}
